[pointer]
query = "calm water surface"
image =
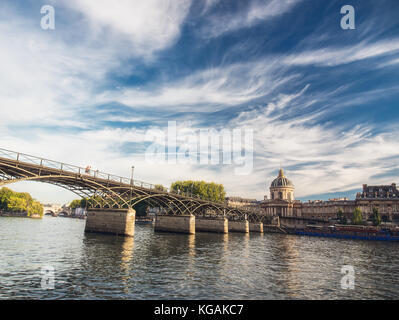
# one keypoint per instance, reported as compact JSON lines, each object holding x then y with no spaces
{"x":174,"y":266}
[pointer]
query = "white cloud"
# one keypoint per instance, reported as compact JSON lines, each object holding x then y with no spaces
{"x":257,"y":12}
{"x":148,"y":25}
{"x":209,"y":4}
{"x":44,"y":80}
{"x":331,"y":56}
{"x":389,"y":63}
{"x":328,"y":158}
{"x":209,"y":89}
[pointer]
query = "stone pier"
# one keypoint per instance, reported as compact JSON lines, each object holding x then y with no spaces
{"x":220,"y":225}
{"x":256,"y":227}
{"x":112,"y":221}
{"x":239,"y":226}
{"x":178,"y":224}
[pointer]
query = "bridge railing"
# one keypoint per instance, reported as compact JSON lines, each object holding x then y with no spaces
{"x":22,"y":157}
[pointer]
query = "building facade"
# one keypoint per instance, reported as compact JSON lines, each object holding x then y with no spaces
{"x":239,"y":202}
{"x":282,"y":202}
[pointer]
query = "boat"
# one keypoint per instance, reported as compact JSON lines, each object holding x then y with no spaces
{"x":350,"y":232}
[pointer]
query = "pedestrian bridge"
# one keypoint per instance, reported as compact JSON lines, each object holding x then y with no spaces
{"x":111,"y":193}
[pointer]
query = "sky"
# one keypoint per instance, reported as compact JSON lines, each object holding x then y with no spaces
{"x":321,"y":101}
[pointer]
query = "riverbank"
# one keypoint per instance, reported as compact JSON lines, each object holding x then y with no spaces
{"x":19,"y":215}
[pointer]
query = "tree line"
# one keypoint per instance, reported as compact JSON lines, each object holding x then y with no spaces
{"x":19,"y":202}
{"x":205,"y":190}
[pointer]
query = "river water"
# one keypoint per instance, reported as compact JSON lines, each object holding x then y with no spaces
{"x":176,"y":266}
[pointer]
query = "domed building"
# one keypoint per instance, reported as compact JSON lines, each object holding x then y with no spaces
{"x":296,"y":214}
{"x":282,"y":200}
{"x":282,"y":188}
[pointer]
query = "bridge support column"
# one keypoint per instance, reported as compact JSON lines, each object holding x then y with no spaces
{"x":239,"y":226}
{"x":256,"y":227}
{"x":112,"y":221}
{"x":212,"y":225}
{"x":177,"y":224}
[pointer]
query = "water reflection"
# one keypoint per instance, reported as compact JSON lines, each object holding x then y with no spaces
{"x":245,"y":239}
{"x":225,"y":240}
{"x":292,"y":281}
{"x":126,"y":257}
{"x":191,"y":245}
{"x":127,"y":251}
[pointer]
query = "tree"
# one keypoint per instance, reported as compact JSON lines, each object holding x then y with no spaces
{"x":35,"y":208}
{"x":341,"y":218}
{"x":357,"y":216}
{"x":17,"y":204}
{"x":5,"y":194}
{"x":79,"y":203}
{"x":20,"y":202}
{"x":205,"y":190}
{"x":160,"y":187}
{"x":376,"y":217}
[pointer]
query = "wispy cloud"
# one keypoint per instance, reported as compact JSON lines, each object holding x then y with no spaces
{"x":333,"y":56}
{"x":209,"y":89}
{"x":256,"y":12}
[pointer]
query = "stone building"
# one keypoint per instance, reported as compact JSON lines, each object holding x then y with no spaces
{"x":282,"y":202}
{"x":239,"y":202}
{"x":383,"y":197}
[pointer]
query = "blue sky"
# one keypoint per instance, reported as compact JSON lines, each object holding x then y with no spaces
{"x":321,"y":101}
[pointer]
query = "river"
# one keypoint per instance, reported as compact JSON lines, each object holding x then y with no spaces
{"x":177,"y":266}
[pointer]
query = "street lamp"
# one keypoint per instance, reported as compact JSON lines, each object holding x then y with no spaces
{"x":131,"y":180}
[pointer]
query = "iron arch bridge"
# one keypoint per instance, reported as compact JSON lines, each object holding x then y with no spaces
{"x":111,"y":191}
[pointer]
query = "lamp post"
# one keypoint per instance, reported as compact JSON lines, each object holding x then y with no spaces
{"x":131,"y":180}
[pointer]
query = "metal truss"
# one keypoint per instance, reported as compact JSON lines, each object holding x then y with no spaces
{"x":110,"y":191}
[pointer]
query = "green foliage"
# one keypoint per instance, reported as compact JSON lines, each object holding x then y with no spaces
{"x":75,"y":204}
{"x":5,"y":195}
{"x":357,"y":216}
{"x":35,"y":209}
{"x":160,"y":187}
{"x":79,"y":203}
{"x":205,"y":190}
{"x":341,"y":218}
{"x":11,"y":201}
{"x":376,"y":217}
{"x":91,"y":202}
{"x":17,"y":204}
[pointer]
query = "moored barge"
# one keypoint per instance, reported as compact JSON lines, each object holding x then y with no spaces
{"x":350,"y":232}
